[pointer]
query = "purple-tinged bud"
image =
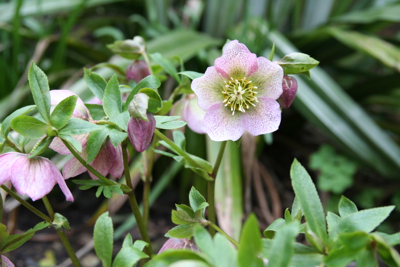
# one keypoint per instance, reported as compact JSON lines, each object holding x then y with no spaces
{"x":140,"y":132}
{"x":289,"y":87}
{"x":176,"y":243}
{"x":4,"y":262}
{"x":137,"y":71}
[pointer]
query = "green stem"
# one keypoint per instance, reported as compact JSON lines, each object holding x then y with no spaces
{"x":48,"y":206}
{"x":68,"y":248}
{"x":146,"y":59}
{"x":233,"y":241}
{"x":211,"y":188}
{"x":26,"y":204}
{"x":180,"y":152}
{"x":133,"y":203}
{"x":86,"y":165}
{"x":147,"y":182}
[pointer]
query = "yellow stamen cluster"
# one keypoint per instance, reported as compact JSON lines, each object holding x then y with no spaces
{"x":239,"y":94}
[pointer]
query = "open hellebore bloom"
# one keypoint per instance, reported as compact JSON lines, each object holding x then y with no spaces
{"x":109,"y":159}
{"x":239,"y":93}
{"x":190,"y":111}
{"x":289,"y":86}
{"x":176,"y":243}
{"x":34,"y":176}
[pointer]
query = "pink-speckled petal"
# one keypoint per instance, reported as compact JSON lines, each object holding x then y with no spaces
{"x":5,"y":262}
{"x":208,"y":88}
{"x":73,"y":168}
{"x":221,"y":125}
{"x":6,"y":161}
{"x":33,"y":177}
{"x":118,"y":167}
{"x":268,"y":78}
{"x":264,"y":118}
{"x":104,"y":161}
{"x":61,"y":183}
{"x":80,"y":110}
{"x":194,"y":115}
{"x":236,"y":61}
{"x":58,"y":146}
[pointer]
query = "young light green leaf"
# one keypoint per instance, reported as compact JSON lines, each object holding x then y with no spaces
{"x":30,"y":127}
{"x":77,"y":126}
{"x":332,"y":220}
{"x":314,"y":240}
{"x":121,"y":120}
{"x":6,"y":125}
{"x":346,"y":207}
{"x":116,"y":136}
{"x":355,"y":240}
{"x":195,"y":199}
{"x":191,"y":74}
{"x":140,"y":244}
{"x":95,"y":82}
{"x":94,"y":143}
{"x":282,"y":246}
{"x":40,"y":91}
{"x":103,"y":239}
{"x":274,"y":227}
{"x":204,"y":242}
{"x":63,"y":111}
{"x":60,"y":222}
{"x":181,"y":231}
{"x":166,"y":65}
{"x":112,"y":101}
{"x":150,"y":81}
{"x":250,"y":244}
{"x":128,"y":257}
{"x":296,"y":63}
{"x":309,"y":200}
{"x":155,"y":102}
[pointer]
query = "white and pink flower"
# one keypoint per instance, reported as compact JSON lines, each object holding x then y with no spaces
{"x":239,"y":94}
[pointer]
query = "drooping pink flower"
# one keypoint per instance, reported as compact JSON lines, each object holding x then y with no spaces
{"x":5,"y":262}
{"x":289,"y":86}
{"x":239,"y":93}
{"x":141,"y":132}
{"x":176,"y":243}
{"x":190,"y":111}
{"x":34,"y":176}
{"x":109,"y":158}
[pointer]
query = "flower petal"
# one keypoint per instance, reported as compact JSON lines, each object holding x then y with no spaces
{"x":61,"y":182}
{"x":6,"y":161}
{"x":73,"y":168}
{"x":264,"y":118}
{"x":194,"y":115}
{"x":118,"y":166}
{"x":221,"y":125}
{"x":208,"y":88}
{"x":236,"y":61}
{"x":104,"y":161}
{"x":5,"y":262}
{"x":268,"y":78}
{"x":80,"y":110}
{"x":58,"y":146}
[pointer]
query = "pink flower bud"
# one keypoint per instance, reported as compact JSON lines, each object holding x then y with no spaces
{"x":4,"y":262}
{"x":141,"y":132}
{"x":289,"y":87}
{"x":176,"y":243}
{"x":137,"y":71}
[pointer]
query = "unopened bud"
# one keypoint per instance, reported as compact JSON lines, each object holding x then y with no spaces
{"x":130,"y":49}
{"x":176,"y":243}
{"x":138,"y":106}
{"x":140,"y":132}
{"x":137,"y":71}
{"x":289,"y":87}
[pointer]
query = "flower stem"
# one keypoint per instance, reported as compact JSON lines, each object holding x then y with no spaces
{"x":68,"y":248}
{"x":211,"y":188}
{"x":233,"y":241}
{"x":26,"y":204}
{"x":133,"y":203}
{"x":146,"y":59}
{"x":86,"y":165}
{"x":181,"y":152}
{"x":147,"y":182}
{"x":48,"y":206}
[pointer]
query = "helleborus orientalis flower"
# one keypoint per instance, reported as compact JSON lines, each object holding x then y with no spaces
{"x":108,"y":160}
{"x":176,"y":243}
{"x":289,"y":86}
{"x":5,"y":262}
{"x":141,"y":132}
{"x":190,"y":111}
{"x":34,"y":176}
{"x":239,"y":93}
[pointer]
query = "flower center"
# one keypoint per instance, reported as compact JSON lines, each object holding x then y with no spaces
{"x":239,"y":94}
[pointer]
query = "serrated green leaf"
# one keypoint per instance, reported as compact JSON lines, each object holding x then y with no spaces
{"x":191,"y":74}
{"x":155,"y":101}
{"x":355,"y":240}
{"x":282,"y":246}
{"x":181,"y":231}
{"x":195,"y":199}
{"x":128,"y":257}
{"x":77,"y":126}
{"x":309,"y":200}
{"x":94,"y":143}
{"x":185,"y":208}
{"x":6,"y":125}
{"x":346,"y":207}
{"x":166,"y":65}
{"x":63,"y":111}
{"x":116,"y":137}
{"x":103,"y":239}
{"x":121,"y":120}
{"x":128,"y":241}
{"x":40,"y":91}
{"x":96,"y":111}
{"x":150,"y":81}
{"x":181,"y":217}
{"x":250,"y":244}
{"x":332,"y":220}
{"x":274,"y":227}
{"x":112,"y":101}
{"x":140,"y":245}
{"x":95,"y":82}
{"x":29,"y":126}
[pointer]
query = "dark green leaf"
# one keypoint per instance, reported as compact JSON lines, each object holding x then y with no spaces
{"x":309,"y":200}
{"x":30,"y":127}
{"x":6,"y":125}
{"x":346,"y":207}
{"x":166,"y":65}
{"x":366,"y":258}
{"x":103,"y":239}
{"x":77,"y":126}
{"x":355,"y":240}
{"x":63,"y":111}
{"x":40,"y":91}
{"x":387,"y":253}
{"x":340,"y":257}
{"x":181,"y":231}
{"x":128,"y":257}
{"x":191,"y":74}
{"x":282,"y":246}
{"x":112,"y":102}
{"x":94,"y":143}
{"x":3,"y":234}
{"x":374,"y":13}
{"x":274,"y":227}
{"x":96,"y":111}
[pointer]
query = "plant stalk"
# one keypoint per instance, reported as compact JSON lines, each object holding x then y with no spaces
{"x":48,"y":206}
{"x":214,"y":226}
{"x":68,"y":248}
{"x":147,"y":182}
